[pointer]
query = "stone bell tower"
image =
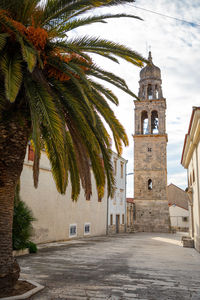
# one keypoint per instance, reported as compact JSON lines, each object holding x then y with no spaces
{"x":150,"y":164}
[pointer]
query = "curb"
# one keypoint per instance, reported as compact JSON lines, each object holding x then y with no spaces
{"x":38,"y":287}
{"x":20,"y":252}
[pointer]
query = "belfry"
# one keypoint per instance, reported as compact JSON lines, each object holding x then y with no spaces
{"x":150,"y":163}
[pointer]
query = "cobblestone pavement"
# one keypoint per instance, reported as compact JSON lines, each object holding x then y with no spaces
{"x":129,"y":266}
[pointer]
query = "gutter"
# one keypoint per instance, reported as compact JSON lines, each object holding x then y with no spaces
{"x":107,"y":215}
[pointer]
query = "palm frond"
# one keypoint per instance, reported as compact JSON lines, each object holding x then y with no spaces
{"x":105,"y":111}
{"x":105,"y":76}
{"x":75,"y":106}
{"x":105,"y":91}
{"x":57,"y":160}
{"x":51,"y":80}
{"x":3,"y":38}
{"x":29,"y":55}
{"x":12,"y":70}
{"x":73,"y":71}
{"x":51,"y":125}
{"x":90,"y":20}
{"x":94,"y":45}
{"x":74,"y":171}
{"x":106,"y":155}
{"x":60,"y":10}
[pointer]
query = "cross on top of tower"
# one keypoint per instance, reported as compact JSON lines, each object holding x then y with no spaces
{"x":150,"y":57}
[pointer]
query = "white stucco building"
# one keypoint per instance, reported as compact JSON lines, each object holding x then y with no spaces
{"x":178,"y":208}
{"x":117,"y":203}
{"x":57,"y":216}
{"x":191,"y":161}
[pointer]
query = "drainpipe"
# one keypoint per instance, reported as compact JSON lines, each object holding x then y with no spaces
{"x":125,"y":194}
{"x":125,"y":206}
{"x":190,"y":194}
{"x":197,"y":168}
{"x":107,"y":215}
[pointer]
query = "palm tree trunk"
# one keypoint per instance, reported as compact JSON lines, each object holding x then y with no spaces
{"x":13,"y":141}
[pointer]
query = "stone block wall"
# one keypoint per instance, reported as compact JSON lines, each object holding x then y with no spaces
{"x":152,"y":216}
{"x":112,"y":229}
{"x":130,"y":229}
{"x":150,"y":165}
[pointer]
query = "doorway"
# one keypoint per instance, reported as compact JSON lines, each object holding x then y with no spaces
{"x":117,"y":223}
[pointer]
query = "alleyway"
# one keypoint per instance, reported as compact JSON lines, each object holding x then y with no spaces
{"x":135,"y":266}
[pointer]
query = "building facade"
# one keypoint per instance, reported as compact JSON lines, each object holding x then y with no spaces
{"x":117,"y":203}
{"x":191,"y":161}
{"x":130,"y":214}
{"x":150,"y":164}
{"x":178,"y":208}
{"x":57,"y":216}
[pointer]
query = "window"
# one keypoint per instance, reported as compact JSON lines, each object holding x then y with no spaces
{"x":72,"y":230}
{"x":111,"y":219}
{"x":193,"y":176}
{"x":122,"y":169}
{"x":150,"y":92}
{"x":149,"y":149}
{"x":87,"y":228}
{"x":185,"y":219}
{"x":113,"y":196}
{"x":150,"y":186}
{"x":154,"y":122}
{"x":30,"y":153}
{"x":121,"y":196}
{"x":115,"y":166}
{"x":123,"y":219}
{"x":144,"y":123}
{"x":156,"y":91}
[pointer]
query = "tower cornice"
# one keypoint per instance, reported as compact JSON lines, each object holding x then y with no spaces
{"x":149,"y":101}
{"x":151,"y":136}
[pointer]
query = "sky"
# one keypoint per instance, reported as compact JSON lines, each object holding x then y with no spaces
{"x":175,"y":47}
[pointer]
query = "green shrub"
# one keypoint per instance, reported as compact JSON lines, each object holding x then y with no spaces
{"x":22,"y":223}
{"x":32,"y":247}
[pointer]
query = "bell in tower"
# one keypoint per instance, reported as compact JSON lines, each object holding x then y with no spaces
{"x":150,"y":163}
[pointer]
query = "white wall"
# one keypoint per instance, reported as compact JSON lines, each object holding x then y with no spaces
{"x":176,"y":216}
{"x":55,"y":212}
{"x":191,"y":161}
{"x":194,"y":165}
{"x":117,"y":204}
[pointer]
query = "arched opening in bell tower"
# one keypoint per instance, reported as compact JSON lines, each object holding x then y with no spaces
{"x":156,"y":91}
{"x":154,"y":122}
{"x":150,"y":92}
{"x":144,"y":122}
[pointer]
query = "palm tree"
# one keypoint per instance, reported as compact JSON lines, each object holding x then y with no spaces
{"x":50,"y":92}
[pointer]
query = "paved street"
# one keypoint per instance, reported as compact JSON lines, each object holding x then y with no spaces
{"x":130,"y":266}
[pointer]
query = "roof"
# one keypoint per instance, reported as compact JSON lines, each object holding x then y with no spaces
{"x":130,"y":200}
{"x":186,"y":141}
{"x":150,"y":70}
{"x":177,"y":196}
{"x":114,"y":154}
